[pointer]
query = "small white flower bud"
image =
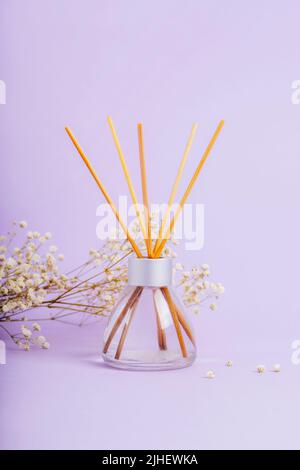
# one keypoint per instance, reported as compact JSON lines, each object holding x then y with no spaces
{"x":36,"y":327}
{"x":205,"y":267}
{"x":178,"y":267}
{"x":40,"y":340}
{"x":261,"y":369}
{"x":26,"y":331}
{"x":210,"y":374}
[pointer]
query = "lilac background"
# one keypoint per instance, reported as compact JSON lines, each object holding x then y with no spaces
{"x":168,"y":64}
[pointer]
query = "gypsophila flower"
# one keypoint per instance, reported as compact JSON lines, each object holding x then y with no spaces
{"x":23,"y":224}
{"x":40,"y":340}
{"x":178,"y":266}
{"x":221,"y":288}
{"x":196,"y":289}
{"x":36,"y":327}
{"x":30,"y":280}
{"x":26,"y":331}
{"x":210,"y":374}
{"x":229,"y":364}
{"x":261,"y":369}
{"x":11,"y":263}
{"x":276,"y":368}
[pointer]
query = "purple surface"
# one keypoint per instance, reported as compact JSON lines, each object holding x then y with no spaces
{"x":167,"y":64}
{"x":67,"y":398}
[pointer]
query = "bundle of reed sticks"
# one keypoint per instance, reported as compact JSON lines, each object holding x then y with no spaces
{"x":153,"y":250}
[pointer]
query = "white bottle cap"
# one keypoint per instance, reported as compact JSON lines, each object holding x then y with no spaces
{"x":149,"y":272}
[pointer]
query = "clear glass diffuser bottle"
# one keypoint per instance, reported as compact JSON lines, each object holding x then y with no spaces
{"x":148,"y":328}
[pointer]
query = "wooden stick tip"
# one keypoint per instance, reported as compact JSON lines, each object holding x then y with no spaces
{"x":69,"y":132}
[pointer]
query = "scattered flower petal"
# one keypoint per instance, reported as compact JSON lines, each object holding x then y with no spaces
{"x":210,"y":374}
{"x":261,"y":369}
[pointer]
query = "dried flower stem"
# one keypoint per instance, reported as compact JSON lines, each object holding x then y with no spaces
{"x":30,"y":280}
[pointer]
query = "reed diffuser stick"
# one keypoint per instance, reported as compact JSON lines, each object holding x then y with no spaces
{"x":161,"y":333}
{"x":104,"y":192}
{"x":185,"y":326}
{"x":176,"y":184}
{"x":131,"y":301}
{"x":145,"y":190}
{"x":127,"y":176}
{"x":173,"y":311}
{"x":126,"y":328}
{"x":169,"y":313}
{"x":189,"y":189}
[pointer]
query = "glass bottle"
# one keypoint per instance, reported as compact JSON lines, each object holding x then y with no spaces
{"x":149,"y":328}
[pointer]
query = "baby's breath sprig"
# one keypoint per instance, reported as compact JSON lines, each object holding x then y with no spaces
{"x":33,"y":290}
{"x":30,"y":279}
{"x":195,"y":287}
